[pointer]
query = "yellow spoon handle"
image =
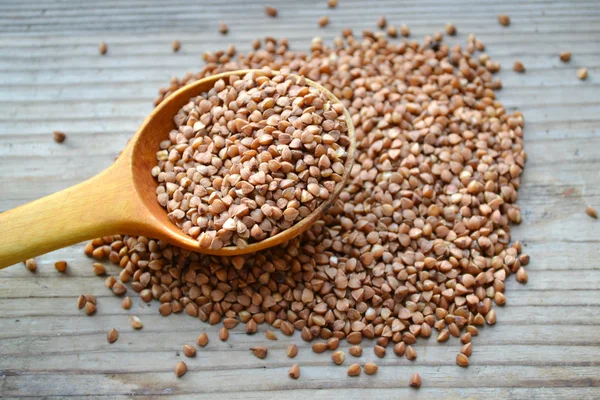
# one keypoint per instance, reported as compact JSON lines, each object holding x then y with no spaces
{"x":94,"y":208}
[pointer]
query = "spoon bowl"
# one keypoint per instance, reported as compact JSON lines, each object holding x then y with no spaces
{"x":122,"y":198}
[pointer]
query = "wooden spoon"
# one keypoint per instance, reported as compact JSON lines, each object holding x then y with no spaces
{"x":122,"y":198}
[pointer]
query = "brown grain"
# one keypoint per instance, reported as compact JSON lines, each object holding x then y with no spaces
{"x":323,"y":21}
{"x":518,"y":67}
{"x":292,"y":350}
{"x":381,"y":22}
{"x":270,"y":11}
{"x":180,"y":369}
{"x":126,"y":303}
{"x":565,"y":56}
{"x":582,"y":74}
{"x":504,"y":19}
{"x":356,"y":351}
{"x":415,"y":380}
{"x":136,"y":323}
{"x":102,"y":48}
{"x":319,"y":347}
{"x":58,"y":136}
{"x":338,"y":357}
{"x":354,"y":370}
{"x":370,"y":368}
{"x":223,"y":334}
{"x":591,"y":211}
{"x":410,"y":353}
{"x":223,"y":28}
{"x":388,"y":258}
{"x":189,"y":351}
{"x":260,"y":352}
{"x":99,"y":269}
{"x":404,"y":31}
{"x":112,"y":336}
{"x":522,"y":275}
{"x":379,"y":351}
{"x":31,"y":264}
{"x":462,"y":360}
{"x":450,"y":29}
{"x":270,"y":335}
{"x":90,"y":308}
{"x":294,"y":371}
{"x":202,"y":339}
{"x":61,"y":266}
{"x":467,"y":349}
{"x":332,"y":3}
{"x":176,"y":45}
{"x":81,"y":301}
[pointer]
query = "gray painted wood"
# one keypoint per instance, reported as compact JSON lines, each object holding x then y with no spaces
{"x":547,"y":340}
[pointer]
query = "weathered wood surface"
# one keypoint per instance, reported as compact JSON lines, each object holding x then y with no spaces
{"x":547,"y":340}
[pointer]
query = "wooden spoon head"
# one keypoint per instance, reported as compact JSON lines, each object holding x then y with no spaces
{"x":140,"y":155}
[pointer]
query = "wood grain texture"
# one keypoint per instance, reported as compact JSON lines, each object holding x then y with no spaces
{"x":546,"y":343}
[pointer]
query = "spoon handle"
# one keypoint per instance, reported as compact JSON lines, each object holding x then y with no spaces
{"x":94,"y":208}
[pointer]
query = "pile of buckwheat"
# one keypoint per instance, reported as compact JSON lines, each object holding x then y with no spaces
{"x":251,"y":158}
{"x":417,"y":244}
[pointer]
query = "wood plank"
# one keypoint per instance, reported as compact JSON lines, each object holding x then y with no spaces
{"x":546,"y":342}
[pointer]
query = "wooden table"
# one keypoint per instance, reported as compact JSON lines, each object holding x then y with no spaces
{"x":546,"y":342}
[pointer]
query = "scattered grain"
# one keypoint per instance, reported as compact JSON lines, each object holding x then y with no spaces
{"x":504,"y":19}
{"x":223,"y":334}
{"x":202,"y":339}
{"x":126,"y":303}
{"x":270,"y":335}
{"x":389,"y":255}
{"x":31,"y":264}
{"x":404,"y":31}
{"x":136,"y":323}
{"x":450,"y":29}
{"x":333,"y":343}
{"x":119,"y":289}
{"x":400,"y":349}
{"x":467,"y":349}
{"x":462,"y":360}
{"x":260,"y":352}
{"x":323,"y":21}
{"x":102,"y":48}
{"x":294,"y":371}
{"x":591,"y":211}
{"x":99,"y":269}
{"x":370,"y":368}
{"x":381,"y":22}
{"x":81,"y":301}
{"x":59,"y":136}
{"x":415,"y":380}
{"x":379,"y":351}
{"x":189,"y":351}
{"x":582,"y":74}
{"x":332,"y":3}
{"x":392,"y":31}
{"x":292,"y":350}
{"x":176,"y":45}
{"x":61,"y":266}
{"x":90,"y":308}
{"x":518,"y":67}
{"x":223,"y":28}
{"x":338,"y":357}
{"x":355,"y":351}
{"x":112,"y":336}
{"x":521,"y":275}
{"x":180,"y":369}
{"x":565,"y":56}
{"x":270,"y":11}
{"x":319,"y":347}
{"x":410,"y":353}
{"x":354,"y":370}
